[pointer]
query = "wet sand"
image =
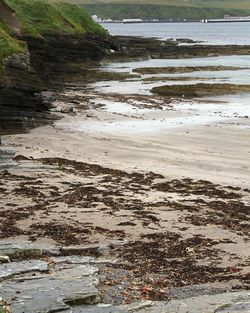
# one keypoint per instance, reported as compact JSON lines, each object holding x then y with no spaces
{"x":195,"y":139}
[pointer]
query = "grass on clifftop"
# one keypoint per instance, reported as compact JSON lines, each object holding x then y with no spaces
{"x":40,"y":17}
{"x":8,"y":45}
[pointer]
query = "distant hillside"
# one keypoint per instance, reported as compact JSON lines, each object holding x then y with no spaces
{"x":166,"y":9}
{"x":162,"y":12}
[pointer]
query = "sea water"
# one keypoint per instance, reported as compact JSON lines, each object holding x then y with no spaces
{"x":217,"y":34}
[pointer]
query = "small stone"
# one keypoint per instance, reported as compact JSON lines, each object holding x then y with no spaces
{"x":141,"y":305}
{"x":75,"y":102}
{"x":4,"y":259}
{"x":104,"y":250}
{"x":68,"y":110}
{"x":103,"y":305}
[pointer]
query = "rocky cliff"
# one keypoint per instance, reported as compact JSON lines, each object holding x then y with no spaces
{"x":37,"y":41}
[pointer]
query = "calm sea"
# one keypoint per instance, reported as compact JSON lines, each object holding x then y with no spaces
{"x":221,"y":33}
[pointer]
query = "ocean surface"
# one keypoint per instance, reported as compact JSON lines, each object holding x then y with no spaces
{"x":221,"y":33}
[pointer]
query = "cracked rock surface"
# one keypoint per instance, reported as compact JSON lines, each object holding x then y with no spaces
{"x":70,"y":284}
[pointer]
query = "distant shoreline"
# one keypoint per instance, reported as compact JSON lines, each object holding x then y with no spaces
{"x":149,"y":22}
{"x":172,"y":22}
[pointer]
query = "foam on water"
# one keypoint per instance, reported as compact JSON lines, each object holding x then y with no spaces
{"x":190,"y":114}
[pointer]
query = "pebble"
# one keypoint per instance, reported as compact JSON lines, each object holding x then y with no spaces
{"x":4,"y":259}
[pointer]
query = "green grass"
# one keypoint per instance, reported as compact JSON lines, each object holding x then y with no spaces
{"x":8,"y":44}
{"x":79,"y":19}
{"x":39,"y":17}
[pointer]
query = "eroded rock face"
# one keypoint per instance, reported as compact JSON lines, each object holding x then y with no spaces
{"x":24,"y":77}
{"x":21,"y":102}
{"x":51,"y":54}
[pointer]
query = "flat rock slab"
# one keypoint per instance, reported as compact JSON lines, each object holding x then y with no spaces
{"x":15,"y":268}
{"x":83,"y":260}
{"x":107,"y":308}
{"x":54,"y":293}
{"x":68,"y":284}
{"x":73,"y":259}
{"x":26,"y":249}
{"x":230,"y":302}
{"x":238,"y":302}
{"x":195,"y":291}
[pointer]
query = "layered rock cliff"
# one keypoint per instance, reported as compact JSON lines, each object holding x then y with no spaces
{"x":37,"y":40}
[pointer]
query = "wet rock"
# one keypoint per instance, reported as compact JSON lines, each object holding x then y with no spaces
{"x":139,"y":48}
{"x":186,"y":40}
{"x":200,"y":90}
{"x":184,"y":69}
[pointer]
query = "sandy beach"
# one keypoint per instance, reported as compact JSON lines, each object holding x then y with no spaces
{"x":160,"y":184}
{"x":178,"y":139}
